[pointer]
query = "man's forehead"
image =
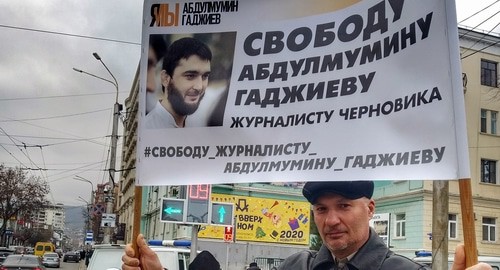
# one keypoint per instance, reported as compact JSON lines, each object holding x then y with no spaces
{"x":330,"y":196}
{"x":193,"y":63}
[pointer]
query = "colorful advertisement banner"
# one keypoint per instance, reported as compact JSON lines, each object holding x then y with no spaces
{"x":264,"y":220}
{"x":293,"y":90}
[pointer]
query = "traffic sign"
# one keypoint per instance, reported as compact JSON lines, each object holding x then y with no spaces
{"x":198,"y":204}
{"x":173,"y":210}
{"x":108,"y":220}
{"x":222,"y":214}
{"x":228,"y":234}
{"x":89,"y":236}
{"x":99,"y":209}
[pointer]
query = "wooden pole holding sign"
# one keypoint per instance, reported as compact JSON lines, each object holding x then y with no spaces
{"x":468,"y":226}
{"x":136,"y":226}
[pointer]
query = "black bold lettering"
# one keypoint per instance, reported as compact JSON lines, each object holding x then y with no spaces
{"x":273,"y":42}
{"x":343,"y":34}
{"x":247,"y":45}
{"x":293,"y":42}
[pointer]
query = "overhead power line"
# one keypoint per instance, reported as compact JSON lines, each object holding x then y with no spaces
{"x":491,"y":45}
{"x":479,"y":40}
{"x":20,"y":149}
{"x":484,"y":34}
{"x":472,"y":29}
{"x":59,"y":96}
{"x":53,"y":117}
{"x":68,"y":34}
{"x":483,"y":9}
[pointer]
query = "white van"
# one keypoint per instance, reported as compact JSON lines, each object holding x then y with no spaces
{"x":491,"y":260}
{"x":110,"y":257}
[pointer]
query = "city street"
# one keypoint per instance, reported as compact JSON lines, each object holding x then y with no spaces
{"x":71,"y":266}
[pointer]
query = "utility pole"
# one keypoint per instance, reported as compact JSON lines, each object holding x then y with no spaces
{"x":112,"y":160}
{"x":108,"y":231}
{"x":440,"y":205}
{"x":90,"y":205}
{"x":112,"y":163}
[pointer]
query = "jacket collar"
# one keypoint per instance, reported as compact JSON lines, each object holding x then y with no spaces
{"x":370,"y":256}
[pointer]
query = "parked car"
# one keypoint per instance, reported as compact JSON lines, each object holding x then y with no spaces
{"x":42,"y":247}
{"x":4,"y":252}
{"x":22,"y":261}
{"x":493,"y":261}
{"x":71,"y":256}
{"x":110,"y":256}
{"x":51,"y":259}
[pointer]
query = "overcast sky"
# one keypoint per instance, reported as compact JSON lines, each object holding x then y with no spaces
{"x":63,"y":117}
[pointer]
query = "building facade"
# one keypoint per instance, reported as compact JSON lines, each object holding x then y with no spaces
{"x":410,"y":203}
{"x":51,"y":217}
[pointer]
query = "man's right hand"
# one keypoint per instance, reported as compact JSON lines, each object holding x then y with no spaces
{"x":459,"y":261}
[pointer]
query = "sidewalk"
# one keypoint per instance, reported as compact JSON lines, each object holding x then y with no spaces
{"x":82,"y":265}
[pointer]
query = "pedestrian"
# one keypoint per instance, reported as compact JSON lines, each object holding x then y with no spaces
{"x":204,"y":261}
{"x":88,"y":256}
{"x":253,"y":266}
{"x":342,"y":211}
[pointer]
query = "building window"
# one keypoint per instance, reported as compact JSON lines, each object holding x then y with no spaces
{"x":491,"y":116}
{"x":493,"y":122}
{"x":483,"y":120}
{"x":452,"y":226}
{"x":488,"y":171}
{"x":400,"y":225}
{"x":488,"y":73}
{"x":489,"y":229}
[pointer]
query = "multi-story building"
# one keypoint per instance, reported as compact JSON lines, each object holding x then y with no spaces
{"x":407,"y":203}
{"x":410,"y":203}
{"x":51,"y":217}
{"x":125,"y":193}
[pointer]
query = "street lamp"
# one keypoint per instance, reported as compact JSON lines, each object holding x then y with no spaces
{"x":83,"y":200}
{"x":79,"y":178}
{"x":95,"y":76}
{"x":114,"y":142}
{"x":96,"y":56}
{"x":90,"y":205}
{"x":88,"y":220}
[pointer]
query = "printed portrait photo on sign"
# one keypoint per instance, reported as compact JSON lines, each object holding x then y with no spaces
{"x":188,"y":79}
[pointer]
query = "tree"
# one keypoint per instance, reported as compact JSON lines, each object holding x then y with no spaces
{"x":29,"y":237}
{"x":19,"y":195}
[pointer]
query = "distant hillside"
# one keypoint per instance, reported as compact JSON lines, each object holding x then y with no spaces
{"x":75,"y":221}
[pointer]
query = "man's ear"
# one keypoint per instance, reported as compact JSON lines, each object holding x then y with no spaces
{"x":371,"y":208}
{"x":165,"y":79}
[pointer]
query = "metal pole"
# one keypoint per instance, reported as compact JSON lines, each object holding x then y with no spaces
{"x":79,"y":178}
{"x":227,"y":256}
{"x":112,"y":164}
{"x":87,"y":221}
{"x":114,"y":139}
{"x":194,"y":241}
{"x":440,"y":205}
